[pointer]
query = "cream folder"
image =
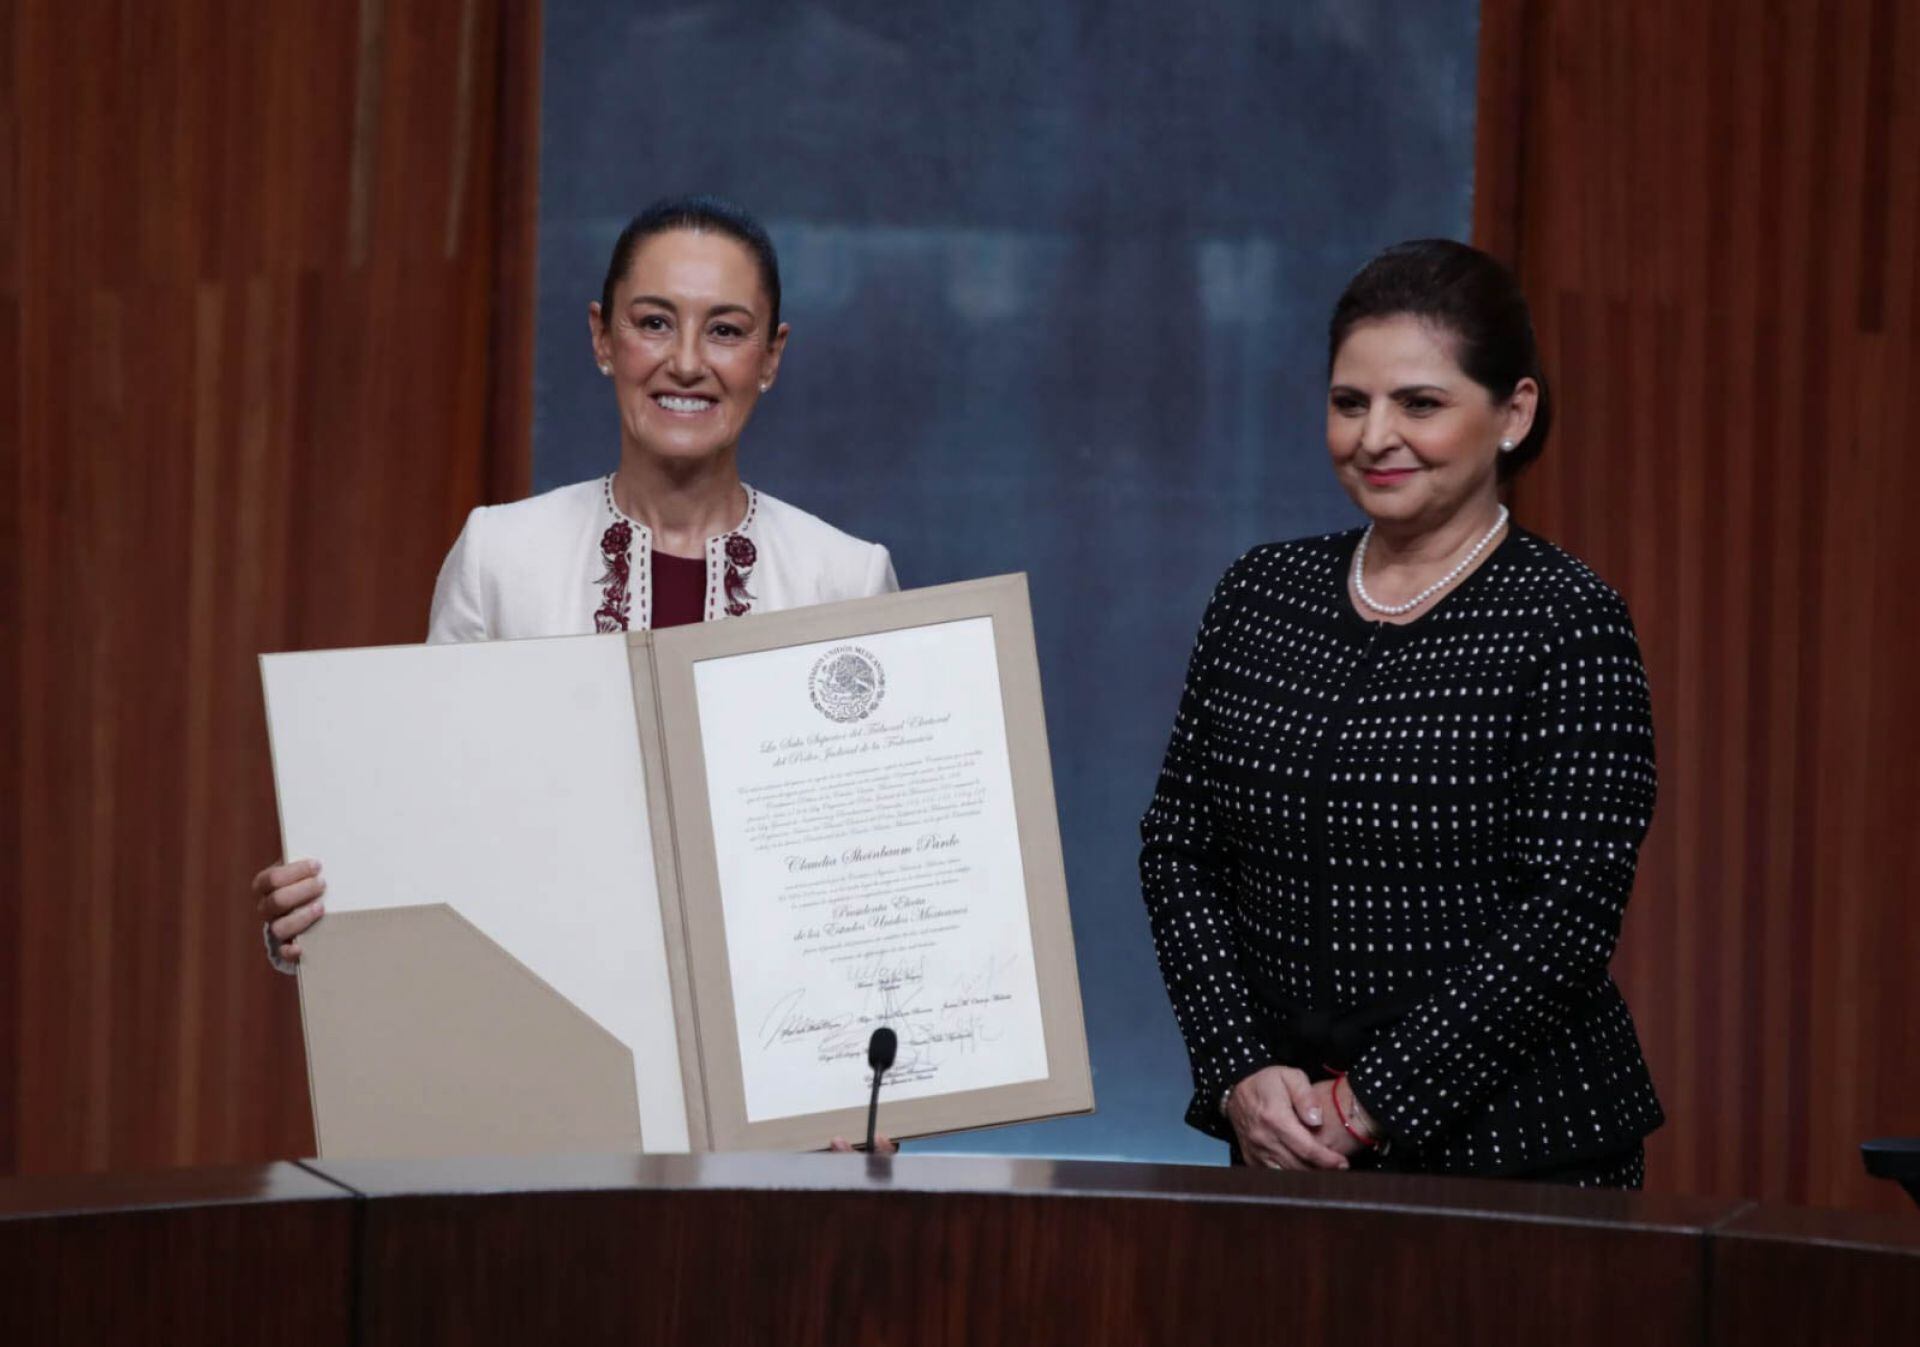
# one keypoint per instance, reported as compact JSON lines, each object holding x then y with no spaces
{"x":561,"y":916}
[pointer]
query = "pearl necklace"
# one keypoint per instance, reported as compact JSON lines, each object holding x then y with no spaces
{"x":1395,"y":609}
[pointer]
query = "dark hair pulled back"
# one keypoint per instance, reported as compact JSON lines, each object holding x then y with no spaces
{"x":701,"y":215}
{"x":1472,"y":297}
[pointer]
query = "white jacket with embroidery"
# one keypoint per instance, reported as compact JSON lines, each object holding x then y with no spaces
{"x":535,"y":568}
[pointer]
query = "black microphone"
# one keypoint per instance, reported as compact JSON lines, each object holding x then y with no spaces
{"x":880,"y":1050}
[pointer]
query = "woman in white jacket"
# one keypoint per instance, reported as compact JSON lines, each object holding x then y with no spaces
{"x":687,"y":328}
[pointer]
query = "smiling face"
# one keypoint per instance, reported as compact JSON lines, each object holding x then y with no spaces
{"x":688,"y":345}
{"x":1414,"y":440}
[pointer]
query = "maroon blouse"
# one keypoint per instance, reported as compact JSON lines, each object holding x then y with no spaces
{"x":679,"y":590}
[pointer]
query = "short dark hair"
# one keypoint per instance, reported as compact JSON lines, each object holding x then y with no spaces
{"x":702,"y":215}
{"x":1471,"y":296}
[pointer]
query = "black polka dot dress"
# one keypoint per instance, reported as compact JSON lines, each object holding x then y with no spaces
{"x":1441,"y":818}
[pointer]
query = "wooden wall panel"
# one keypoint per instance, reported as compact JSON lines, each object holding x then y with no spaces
{"x":1715,"y":209}
{"x":265,"y":337}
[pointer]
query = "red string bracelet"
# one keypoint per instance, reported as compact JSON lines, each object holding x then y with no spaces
{"x":1338,"y":1078}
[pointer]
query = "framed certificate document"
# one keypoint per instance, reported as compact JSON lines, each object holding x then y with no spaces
{"x":866,"y":835}
{"x":702,"y":864}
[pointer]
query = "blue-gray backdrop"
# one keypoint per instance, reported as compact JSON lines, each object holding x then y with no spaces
{"x":1058,"y":276}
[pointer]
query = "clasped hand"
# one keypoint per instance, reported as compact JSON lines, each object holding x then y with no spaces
{"x":1285,"y":1121}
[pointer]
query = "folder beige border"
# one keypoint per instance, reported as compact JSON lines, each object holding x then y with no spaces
{"x":700,"y":929}
{"x":666,"y":864}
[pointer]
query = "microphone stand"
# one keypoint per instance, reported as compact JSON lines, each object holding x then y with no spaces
{"x":880,"y":1052}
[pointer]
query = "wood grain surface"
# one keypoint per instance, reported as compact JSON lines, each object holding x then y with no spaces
{"x":1785,"y":1274}
{"x":1715,"y":210}
{"x":186,"y":1256}
{"x":978,"y":1251}
{"x":845,"y":1249}
{"x":265,"y":337}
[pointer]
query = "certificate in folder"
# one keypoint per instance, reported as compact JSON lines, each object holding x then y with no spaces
{"x":655,"y":890}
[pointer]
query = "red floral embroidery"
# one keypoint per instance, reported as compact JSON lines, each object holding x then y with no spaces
{"x":741,"y":554}
{"x":616,"y":600}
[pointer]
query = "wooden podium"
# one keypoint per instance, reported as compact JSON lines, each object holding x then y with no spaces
{"x":922,"y":1250}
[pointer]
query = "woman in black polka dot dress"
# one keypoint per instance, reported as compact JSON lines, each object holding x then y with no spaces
{"x":1396,"y":828}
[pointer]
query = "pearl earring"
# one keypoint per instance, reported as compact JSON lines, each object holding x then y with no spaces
{"x":606,"y":369}
{"x":1506,"y":446}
